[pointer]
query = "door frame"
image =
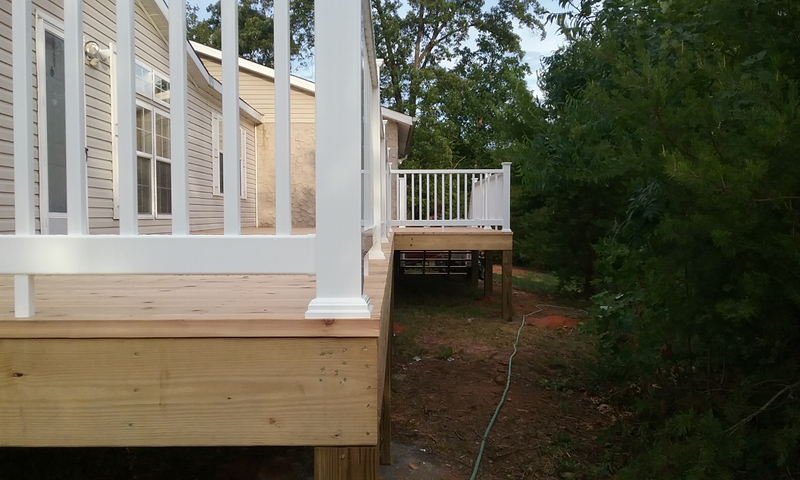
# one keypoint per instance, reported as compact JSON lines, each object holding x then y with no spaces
{"x":44,"y":22}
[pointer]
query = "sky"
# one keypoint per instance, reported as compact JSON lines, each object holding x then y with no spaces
{"x":534,"y":46}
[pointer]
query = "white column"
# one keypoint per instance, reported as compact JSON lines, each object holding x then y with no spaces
{"x":338,"y":169}
{"x":506,"y":196}
{"x":386,"y":187}
{"x":179,"y":127}
{"x":75,"y":104}
{"x":376,"y":122}
{"x":230,"y":115}
{"x":126,"y":114}
{"x":283,"y":119}
{"x":24,"y":202}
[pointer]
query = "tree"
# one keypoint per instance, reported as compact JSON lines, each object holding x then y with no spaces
{"x":256,"y":36}
{"x":671,"y":138}
{"x":455,"y":65}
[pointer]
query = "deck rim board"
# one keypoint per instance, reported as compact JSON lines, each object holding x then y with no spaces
{"x":451,"y":238}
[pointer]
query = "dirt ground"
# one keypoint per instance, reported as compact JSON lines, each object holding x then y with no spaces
{"x":450,"y":364}
{"x":450,"y":371}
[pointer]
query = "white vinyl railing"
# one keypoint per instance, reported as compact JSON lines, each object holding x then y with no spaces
{"x":344,"y":52}
{"x":456,"y":198}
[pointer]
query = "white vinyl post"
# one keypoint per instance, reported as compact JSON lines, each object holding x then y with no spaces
{"x":338,"y":31}
{"x":283,"y":134}
{"x":126,"y":113}
{"x":24,"y":200}
{"x":230,"y":116}
{"x":506,"y":196}
{"x":75,"y":104}
{"x":179,"y":127}
{"x":386,"y":189}
{"x":375,"y":126}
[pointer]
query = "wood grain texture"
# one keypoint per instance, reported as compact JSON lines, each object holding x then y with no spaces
{"x":188,"y":392}
{"x":508,"y":310}
{"x":185,"y":306}
{"x":351,"y":463}
{"x":488,"y":273}
{"x":385,"y":370}
{"x":451,"y":238}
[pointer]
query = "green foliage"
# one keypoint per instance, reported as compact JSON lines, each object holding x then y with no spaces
{"x":455,"y":65}
{"x":662,"y":168}
{"x":255,"y":29}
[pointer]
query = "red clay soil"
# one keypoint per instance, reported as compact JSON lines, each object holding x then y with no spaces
{"x":544,"y":431}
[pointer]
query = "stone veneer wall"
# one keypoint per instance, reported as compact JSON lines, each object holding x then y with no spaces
{"x":303,"y":175}
{"x":303,"y":172}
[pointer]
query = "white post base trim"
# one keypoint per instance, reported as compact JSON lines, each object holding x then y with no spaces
{"x":376,"y":252}
{"x":24,"y":296}
{"x":340,"y":308}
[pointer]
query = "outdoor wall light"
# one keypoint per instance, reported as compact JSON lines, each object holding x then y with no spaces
{"x":95,"y":55}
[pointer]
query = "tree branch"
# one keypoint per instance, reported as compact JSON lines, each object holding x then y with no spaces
{"x":763,"y":407}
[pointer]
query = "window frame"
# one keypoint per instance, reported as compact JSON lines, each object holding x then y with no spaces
{"x":151,"y":95}
{"x":217,"y":188}
{"x":154,"y":159}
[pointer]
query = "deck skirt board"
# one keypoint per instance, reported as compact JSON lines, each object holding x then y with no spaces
{"x":159,"y":392}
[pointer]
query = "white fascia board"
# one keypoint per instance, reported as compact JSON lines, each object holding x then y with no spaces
{"x":254,"y":68}
{"x":398,"y":117}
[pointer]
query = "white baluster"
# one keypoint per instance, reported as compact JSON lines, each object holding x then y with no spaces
{"x":178,"y":124}
{"x":230,"y":116}
{"x":126,"y":114}
{"x":75,"y":104}
{"x":24,"y":199}
{"x":283,"y":134}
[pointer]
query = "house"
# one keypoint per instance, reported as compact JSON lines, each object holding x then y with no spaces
{"x":257,"y":88}
{"x":118,"y":326}
{"x":153,"y":124}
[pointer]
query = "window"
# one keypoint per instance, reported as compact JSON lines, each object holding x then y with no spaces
{"x":153,"y":154}
{"x":152,"y":85}
{"x":218,"y":170}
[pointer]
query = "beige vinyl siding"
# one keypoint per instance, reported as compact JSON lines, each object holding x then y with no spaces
{"x":259,"y":92}
{"x":151,"y":49}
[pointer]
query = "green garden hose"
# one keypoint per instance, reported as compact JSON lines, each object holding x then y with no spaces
{"x":502,"y":399}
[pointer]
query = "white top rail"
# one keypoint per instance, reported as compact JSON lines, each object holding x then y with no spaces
{"x":476,"y":171}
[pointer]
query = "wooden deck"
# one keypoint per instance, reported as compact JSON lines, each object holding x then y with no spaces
{"x":464,"y":238}
{"x":123,"y":360}
{"x":183,"y":306}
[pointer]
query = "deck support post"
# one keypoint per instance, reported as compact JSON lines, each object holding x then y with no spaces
{"x":474,"y":268}
{"x":346,"y":463}
{"x":507,"y":307}
{"x":488,"y":275}
{"x":339,"y":101}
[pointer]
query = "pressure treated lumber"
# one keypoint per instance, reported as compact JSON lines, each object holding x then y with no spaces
{"x":488,"y":273}
{"x":385,"y":370}
{"x":508,"y":310}
{"x":474,"y":268}
{"x":189,"y":392}
{"x":451,"y":238}
{"x":346,"y":463}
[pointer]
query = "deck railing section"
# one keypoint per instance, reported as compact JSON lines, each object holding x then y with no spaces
{"x":455,"y":198}
{"x":340,"y":63}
